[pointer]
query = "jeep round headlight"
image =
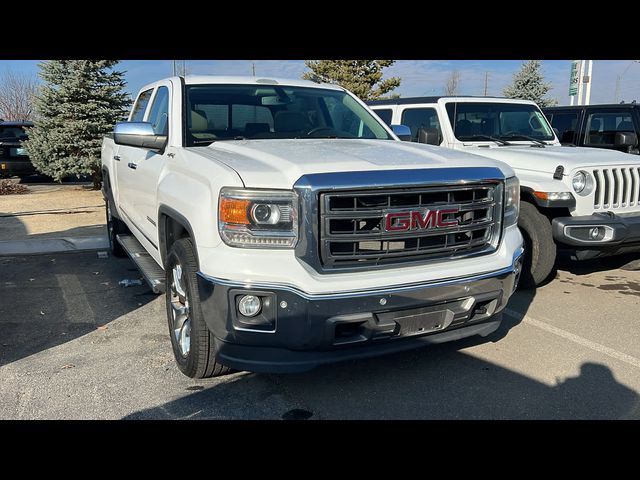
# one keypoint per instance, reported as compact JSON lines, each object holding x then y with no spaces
{"x":583,"y":183}
{"x":579,"y":181}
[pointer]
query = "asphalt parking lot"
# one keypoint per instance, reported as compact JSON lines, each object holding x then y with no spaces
{"x":74,"y":344}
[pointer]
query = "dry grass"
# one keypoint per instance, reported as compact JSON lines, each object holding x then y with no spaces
{"x":7,"y":187}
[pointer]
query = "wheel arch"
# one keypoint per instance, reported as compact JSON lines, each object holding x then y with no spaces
{"x":107,"y":192}
{"x":172,"y":225}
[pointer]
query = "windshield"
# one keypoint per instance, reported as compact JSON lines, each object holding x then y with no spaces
{"x":237,"y":112}
{"x":12,"y":133}
{"x":505,"y":121}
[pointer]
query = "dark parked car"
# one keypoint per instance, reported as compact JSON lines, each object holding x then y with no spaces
{"x":13,"y":157}
{"x":615,"y":126}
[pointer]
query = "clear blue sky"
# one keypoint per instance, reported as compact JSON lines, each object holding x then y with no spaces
{"x":419,"y":77}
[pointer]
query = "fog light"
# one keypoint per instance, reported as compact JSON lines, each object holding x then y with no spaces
{"x":249,"y":305}
{"x":594,"y":233}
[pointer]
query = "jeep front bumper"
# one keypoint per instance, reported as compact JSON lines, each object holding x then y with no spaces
{"x":598,"y":235}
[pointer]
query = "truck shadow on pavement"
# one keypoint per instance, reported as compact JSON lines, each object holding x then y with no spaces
{"x":439,"y":382}
{"x":50,"y":299}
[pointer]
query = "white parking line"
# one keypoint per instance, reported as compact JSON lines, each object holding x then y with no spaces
{"x":623,"y":357}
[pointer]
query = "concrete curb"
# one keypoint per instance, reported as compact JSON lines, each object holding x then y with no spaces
{"x":52,"y":245}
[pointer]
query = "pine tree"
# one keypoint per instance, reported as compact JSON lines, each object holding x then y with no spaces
{"x":528,"y":84}
{"x":78,"y":104}
{"x":362,"y":77}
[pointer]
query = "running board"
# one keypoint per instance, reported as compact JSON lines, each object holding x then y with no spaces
{"x":151,"y":271}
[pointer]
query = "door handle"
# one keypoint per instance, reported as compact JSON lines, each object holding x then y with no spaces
{"x":116,"y":158}
{"x":132,"y":165}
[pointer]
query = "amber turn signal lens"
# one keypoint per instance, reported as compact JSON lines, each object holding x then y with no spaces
{"x":541,"y":195}
{"x":234,"y":211}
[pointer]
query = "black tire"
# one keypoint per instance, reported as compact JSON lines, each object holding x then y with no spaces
{"x":115,"y":226}
{"x":200,"y":360}
{"x":539,"y":247}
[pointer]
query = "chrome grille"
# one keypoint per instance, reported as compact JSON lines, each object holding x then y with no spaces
{"x":616,"y":188}
{"x":352,"y":224}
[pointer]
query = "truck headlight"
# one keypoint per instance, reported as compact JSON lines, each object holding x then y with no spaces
{"x":511,"y":201}
{"x":258,"y":218}
{"x":582,"y":183}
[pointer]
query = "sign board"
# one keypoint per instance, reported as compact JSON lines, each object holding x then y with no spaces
{"x":574,"y":78}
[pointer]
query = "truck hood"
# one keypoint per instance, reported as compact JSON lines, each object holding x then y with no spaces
{"x":280,"y":163}
{"x":526,"y":157}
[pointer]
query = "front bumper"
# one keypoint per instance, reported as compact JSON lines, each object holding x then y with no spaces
{"x":621,"y":234}
{"x":16,"y":167}
{"x":297,"y":331}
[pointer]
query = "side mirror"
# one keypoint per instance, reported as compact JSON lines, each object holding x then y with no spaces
{"x":138,"y":134}
{"x":430,"y":136}
{"x":626,"y":139}
{"x":402,"y":132}
{"x":557,"y":132}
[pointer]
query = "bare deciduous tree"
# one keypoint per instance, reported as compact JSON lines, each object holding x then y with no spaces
{"x":17,"y":91}
{"x":453,"y":81}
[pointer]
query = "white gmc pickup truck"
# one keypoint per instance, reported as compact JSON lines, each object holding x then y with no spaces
{"x":289,"y":227}
{"x":585,"y":201}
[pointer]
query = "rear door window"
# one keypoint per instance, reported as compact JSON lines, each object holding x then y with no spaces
{"x":137,"y":115}
{"x":416,"y":118}
{"x":385,"y":114}
{"x":565,"y":123}
{"x":601,"y":127}
{"x":159,"y":114}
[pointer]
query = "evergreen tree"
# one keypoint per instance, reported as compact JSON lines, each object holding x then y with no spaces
{"x":78,"y":104}
{"x":528,"y":84}
{"x":362,"y":77}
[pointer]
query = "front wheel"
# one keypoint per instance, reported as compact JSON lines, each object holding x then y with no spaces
{"x":193,"y":344}
{"x":539,"y":247}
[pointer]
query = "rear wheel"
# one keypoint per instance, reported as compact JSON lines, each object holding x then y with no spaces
{"x":539,"y":247}
{"x":115,"y":227}
{"x":193,"y":344}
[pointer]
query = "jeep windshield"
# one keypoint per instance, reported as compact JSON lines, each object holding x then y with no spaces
{"x":238,"y":112}
{"x":484,"y":121}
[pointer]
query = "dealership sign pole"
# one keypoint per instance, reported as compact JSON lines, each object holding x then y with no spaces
{"x":587,"y":81}
{"x":580,"y":81}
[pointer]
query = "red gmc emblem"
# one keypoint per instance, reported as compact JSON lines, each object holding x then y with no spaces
{"x":418,"y":220}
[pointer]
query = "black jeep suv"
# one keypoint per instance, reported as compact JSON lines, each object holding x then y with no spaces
{"x":13,"y":157}
{"x":615,"y":126}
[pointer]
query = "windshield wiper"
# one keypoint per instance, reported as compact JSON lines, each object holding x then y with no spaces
{"x":526,"y":137}
{"x":208,"y":142}
{"x":499,"y":141}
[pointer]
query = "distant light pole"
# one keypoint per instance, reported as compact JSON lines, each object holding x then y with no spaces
{"x":619,"y":79}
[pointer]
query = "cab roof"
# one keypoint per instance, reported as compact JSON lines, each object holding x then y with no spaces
{"x":246,"y":80}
